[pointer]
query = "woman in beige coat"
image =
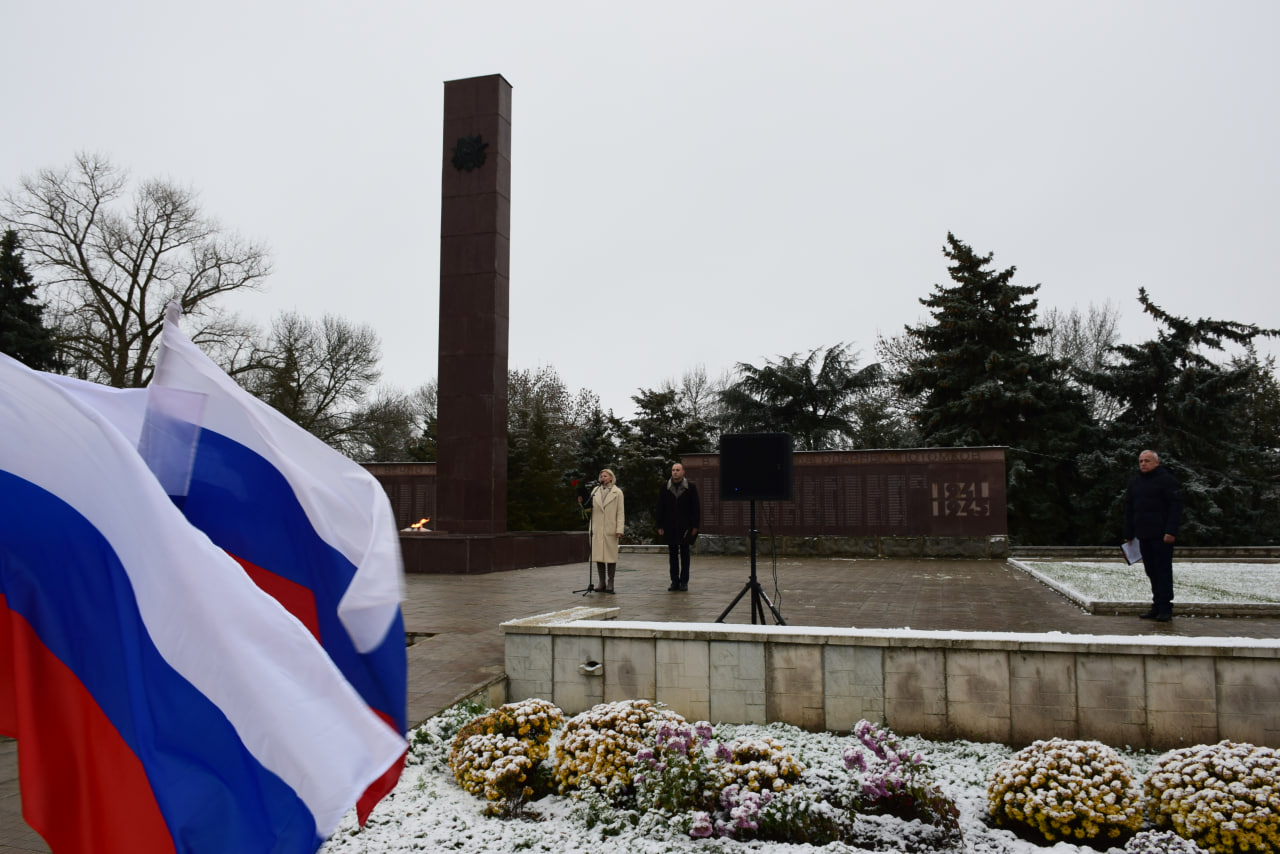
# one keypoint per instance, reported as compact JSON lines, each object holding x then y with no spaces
{"x":607,"y":521}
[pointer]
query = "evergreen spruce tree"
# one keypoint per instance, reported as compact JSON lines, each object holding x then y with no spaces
{"x":660,"y":432}
{"x":597,"y":447}
{"x":980,"y":382}
{"x":537,"y":495}
{"x":543,"y":426}
{"x":1206,"y":419}
{"x":22,"y":333}
{"x":1258,"y":416}
{"x":424,"y":448}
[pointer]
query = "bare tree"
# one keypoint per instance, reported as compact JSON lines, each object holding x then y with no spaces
{"x":319,"y":374}
{"x":696,"y":399}
{"x":424,"y":409}
{"x":112,"y":261}
{"x":1086,"y":342}
{"x":896,"y":355}
{"x":699,"y":394}
{"x":395,"y":426}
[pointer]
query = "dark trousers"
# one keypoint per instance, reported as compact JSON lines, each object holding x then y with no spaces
{"x":678,"y":553}
{"x":1157,"y":560}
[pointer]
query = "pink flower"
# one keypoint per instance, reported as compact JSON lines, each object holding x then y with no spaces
{"x":702,"y":826}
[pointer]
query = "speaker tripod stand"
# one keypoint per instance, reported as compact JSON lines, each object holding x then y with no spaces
{"x":758,"y":597}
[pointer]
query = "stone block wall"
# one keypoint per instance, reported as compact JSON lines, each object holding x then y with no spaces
{"x":1149,"y":692}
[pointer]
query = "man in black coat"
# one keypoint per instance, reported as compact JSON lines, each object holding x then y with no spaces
{"x":678,"y":515}
{"x":1152,"y":511}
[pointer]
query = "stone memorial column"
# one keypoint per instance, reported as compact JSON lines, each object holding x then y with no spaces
{"x":475,"y":251}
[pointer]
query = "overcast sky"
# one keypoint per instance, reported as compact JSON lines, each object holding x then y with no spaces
{"x":693,"y":182}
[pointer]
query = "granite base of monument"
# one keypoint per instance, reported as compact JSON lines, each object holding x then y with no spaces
{"x":433,"y":552}
{"x":966,"y":548}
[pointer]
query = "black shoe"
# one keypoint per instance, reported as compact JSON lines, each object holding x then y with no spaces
{"x":1164,"y":617}
{"x":673,"y":588}
{"x":1150,"y":615}
{"x":684,"y":588}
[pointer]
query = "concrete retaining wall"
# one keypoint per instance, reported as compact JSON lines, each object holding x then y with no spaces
{"x":436,"y":553}
{"x":1151,"y":692}
{"x":1185,"y":554}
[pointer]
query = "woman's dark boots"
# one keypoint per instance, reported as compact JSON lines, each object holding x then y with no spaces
{"x":604,"y":581}
{"x":612,"y":567}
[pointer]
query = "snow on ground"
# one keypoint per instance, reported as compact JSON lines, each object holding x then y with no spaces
{"x":1114,"y":581}
{"x":429,"y":812}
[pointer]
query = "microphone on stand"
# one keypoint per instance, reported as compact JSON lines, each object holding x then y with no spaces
{"x":584,"y":491}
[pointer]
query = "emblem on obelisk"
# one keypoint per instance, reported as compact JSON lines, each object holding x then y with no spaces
{"x":469,"y":153}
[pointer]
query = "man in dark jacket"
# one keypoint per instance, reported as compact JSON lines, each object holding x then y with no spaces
{"x":678,"y":516}
{"x":1152,"y":511}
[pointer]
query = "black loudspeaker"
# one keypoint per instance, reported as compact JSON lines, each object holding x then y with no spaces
{"x":755,"y":467}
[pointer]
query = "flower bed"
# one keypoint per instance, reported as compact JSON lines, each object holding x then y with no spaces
{"x":868,"y":791}
{"x":635,"y":755}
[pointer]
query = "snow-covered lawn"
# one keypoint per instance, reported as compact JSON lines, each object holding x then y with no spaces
{"x":1113,"y":581}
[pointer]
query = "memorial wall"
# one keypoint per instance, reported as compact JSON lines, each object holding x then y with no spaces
{"x":411,"y":489}
{"x":945,"y":492}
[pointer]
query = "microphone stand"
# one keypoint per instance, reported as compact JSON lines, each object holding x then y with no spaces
{"x":591,"y":587}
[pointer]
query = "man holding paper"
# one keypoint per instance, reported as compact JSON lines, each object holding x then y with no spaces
{"x":1152,"y":511}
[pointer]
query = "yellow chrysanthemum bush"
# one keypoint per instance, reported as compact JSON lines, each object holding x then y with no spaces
{"x":498,"y":756}
{"x":1077,"y":791}
{"x":497,"y":768}
{"x":597,"y":749}
{"x":530,"y":720}
{"x":1225,"y":797}
{"x":760,"y":764}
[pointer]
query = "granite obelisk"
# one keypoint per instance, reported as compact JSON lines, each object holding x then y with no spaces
{"x":475,"y":252}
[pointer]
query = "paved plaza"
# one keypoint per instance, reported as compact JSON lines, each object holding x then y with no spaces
{"x":458,"y":647}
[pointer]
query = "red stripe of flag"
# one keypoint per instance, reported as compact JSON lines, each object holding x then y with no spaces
{"x":83,"y":788}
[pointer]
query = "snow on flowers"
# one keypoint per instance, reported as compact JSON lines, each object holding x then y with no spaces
{"x":1062,"y":789}
{"x":1224,"y":796}
{"x":636,"y":755}
{"x":871,"y":790}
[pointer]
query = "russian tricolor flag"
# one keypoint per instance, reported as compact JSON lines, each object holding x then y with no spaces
{"x":160,"y":700}
{"x":311,"y":527}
